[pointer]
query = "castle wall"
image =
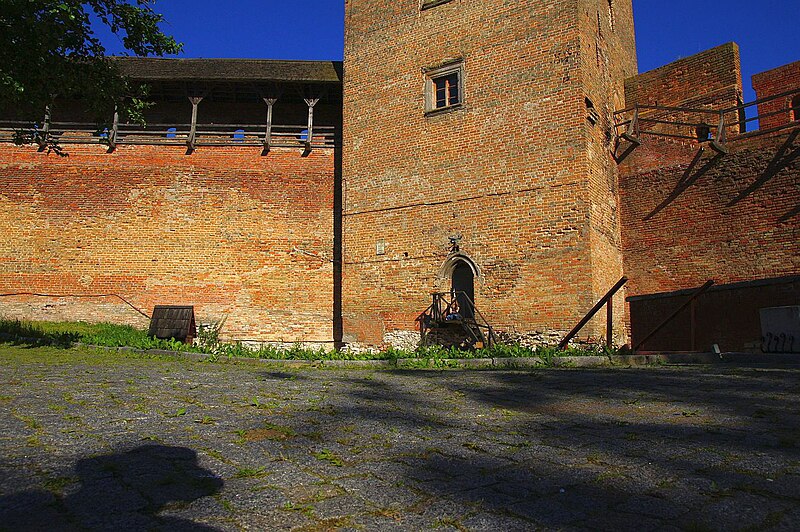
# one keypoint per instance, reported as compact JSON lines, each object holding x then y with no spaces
{"x":607,"y":59}
{"x":690,"y":214}
{"x":506,"y":172}
{"x":734,"y":219}
{"x":772,"y":83}
{"x":218,"y":229}
{"x":711,"y":79}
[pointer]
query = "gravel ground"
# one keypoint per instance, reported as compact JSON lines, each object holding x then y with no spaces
{"x":92,"y":440}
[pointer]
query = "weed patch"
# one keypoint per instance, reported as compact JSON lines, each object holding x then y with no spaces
{"x":65,"y":334}
{"x":328,"y":456}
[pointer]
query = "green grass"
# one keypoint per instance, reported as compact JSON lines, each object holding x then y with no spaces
{"x":66,"y":334}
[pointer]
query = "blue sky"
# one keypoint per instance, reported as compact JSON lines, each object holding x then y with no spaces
{"x":768,"y":31}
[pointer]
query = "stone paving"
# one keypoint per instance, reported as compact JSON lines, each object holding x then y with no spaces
{"x":98,"y":441}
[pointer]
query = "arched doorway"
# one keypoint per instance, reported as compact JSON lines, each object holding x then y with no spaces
{"x":463,"y":284}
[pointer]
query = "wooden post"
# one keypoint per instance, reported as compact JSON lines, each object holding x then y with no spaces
{"x":589,"y":315}
{"x":193,"y":130}
{"x":311,"y":103}
{"x":268,"y":133}
{"x":697,"y":293}
{"x":112,"y":135}
{"x":610,"y":322}
{"x":41,"y":139}
{"x":693,"y":324}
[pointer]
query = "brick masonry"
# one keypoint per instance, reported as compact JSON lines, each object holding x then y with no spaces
{"x":775,"y":82}
{"x":518,"y":171}
{"x":521,"y":172}
{"x":735,"y":221}
{"x":690,"y":214}
{"x":216,"y":229}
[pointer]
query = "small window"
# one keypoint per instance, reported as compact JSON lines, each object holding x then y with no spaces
{"x":796,"y":108}
{"x":238,"y":135}
{"x":427,"y":4}
{"x":444,"y":88}
{"x":171,"y":132}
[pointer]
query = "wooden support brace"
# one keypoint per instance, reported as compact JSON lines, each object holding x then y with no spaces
{"x":719,"y":142}
{"x":112,"y":135}
{"x":43,"y":134}
{"x":632,"y":134}
{"x":589,"y":315}
{"x":268,"y":132}
{"x":610,"y":323}
{"x":311,"y":103}
{"x":193,"y":129}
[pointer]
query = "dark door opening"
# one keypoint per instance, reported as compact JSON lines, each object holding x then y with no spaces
{"x":464,"y":287}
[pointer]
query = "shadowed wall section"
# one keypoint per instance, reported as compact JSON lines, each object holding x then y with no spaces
{"x":690,"y":214}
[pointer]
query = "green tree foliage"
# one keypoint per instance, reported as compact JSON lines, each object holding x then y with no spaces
{"x":48,"y":50}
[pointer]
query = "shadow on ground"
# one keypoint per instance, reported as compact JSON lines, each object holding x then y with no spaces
{"x":608,"y":449}
{"x":124,"y":491}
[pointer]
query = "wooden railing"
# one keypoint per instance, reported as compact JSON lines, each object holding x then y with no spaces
{"x":441,"y":311}
{"x":63,"y":133}
{"x":608,"y":301}
{"x":718,"y":127}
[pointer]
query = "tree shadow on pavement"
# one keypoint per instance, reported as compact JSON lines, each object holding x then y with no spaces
{"x":607,"y":449}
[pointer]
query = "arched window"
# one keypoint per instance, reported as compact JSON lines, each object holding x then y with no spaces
{"x":796,"y":108}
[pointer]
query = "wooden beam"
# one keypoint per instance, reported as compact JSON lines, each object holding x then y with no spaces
{"x":311,"y":103}
{"x":268,"y":133}
{"x":193,"y":129}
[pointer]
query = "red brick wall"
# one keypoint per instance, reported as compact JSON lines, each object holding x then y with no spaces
{"x":738,"y":220}
{"x":708,"y":80}
{"x":772,"y":83}
{"x":215,"y":229}
{"x":510,"y":171}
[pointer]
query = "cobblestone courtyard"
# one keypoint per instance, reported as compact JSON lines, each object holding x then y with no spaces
{"x":101,"y":441}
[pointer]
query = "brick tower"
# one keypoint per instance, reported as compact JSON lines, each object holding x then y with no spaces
{"x":476,"y":156}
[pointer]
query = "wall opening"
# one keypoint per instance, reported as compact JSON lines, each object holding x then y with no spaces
{"x":463,"y":284}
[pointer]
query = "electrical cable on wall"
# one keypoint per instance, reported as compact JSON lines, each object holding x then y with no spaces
{"x":78,"y":295}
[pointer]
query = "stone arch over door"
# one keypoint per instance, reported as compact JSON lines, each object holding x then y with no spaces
{"x":458,"y":274}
